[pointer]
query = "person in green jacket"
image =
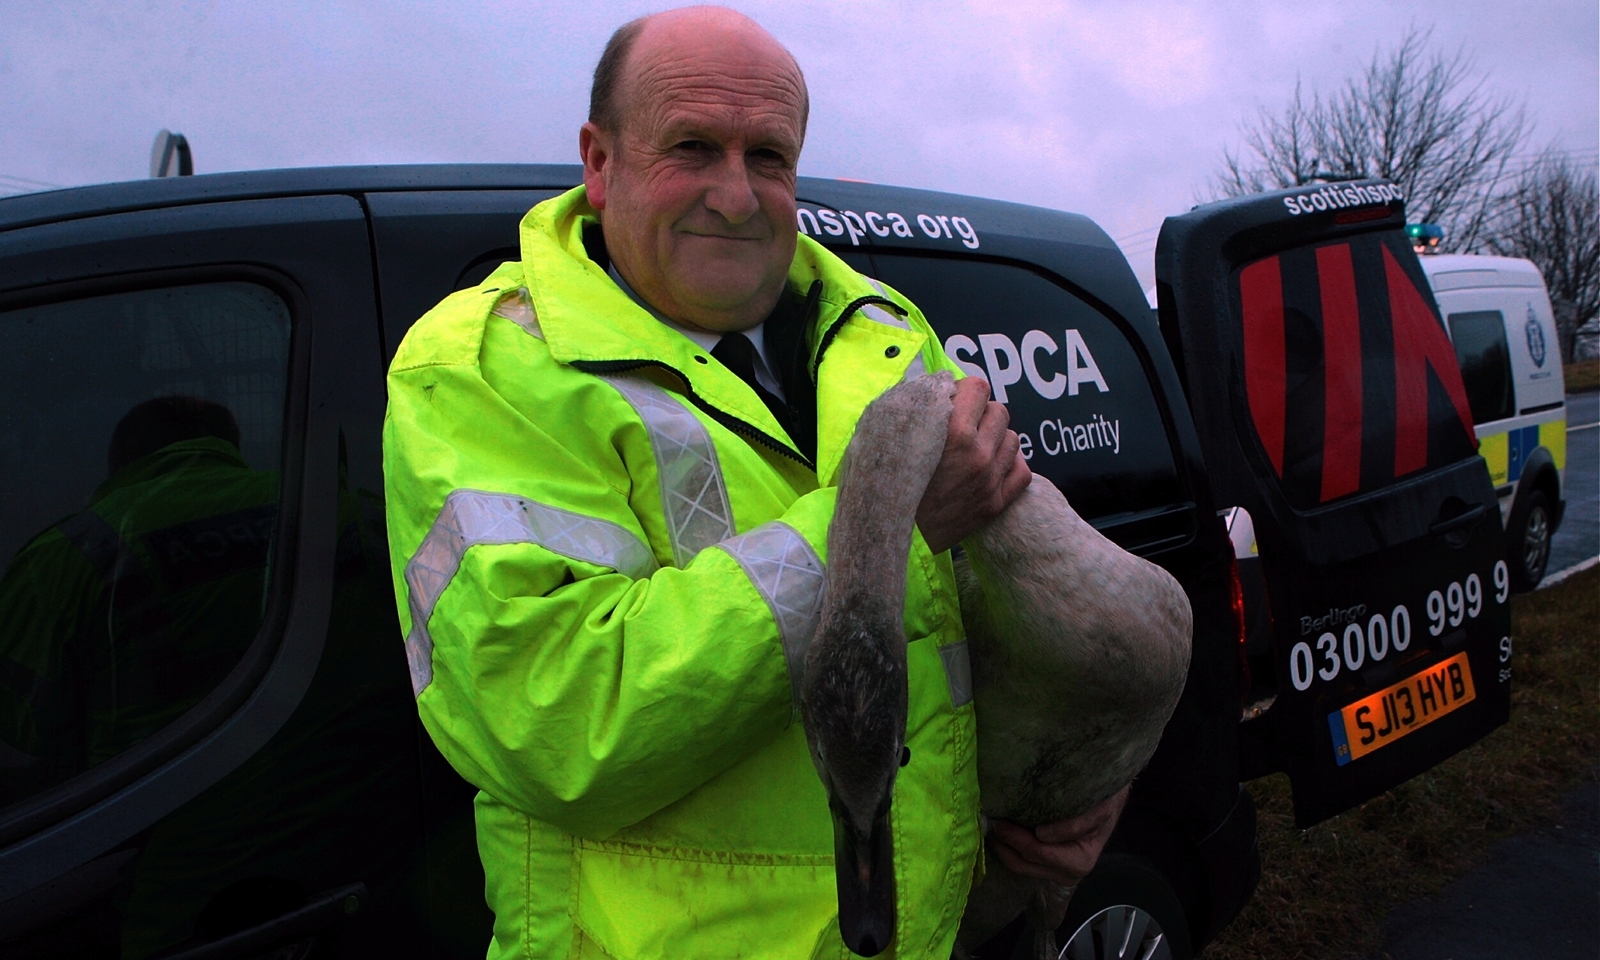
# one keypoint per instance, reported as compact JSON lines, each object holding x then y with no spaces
{"x":121,"y":617}
{"x":610,"y":472}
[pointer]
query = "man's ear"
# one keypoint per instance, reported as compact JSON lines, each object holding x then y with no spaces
{"x":595,"y":147}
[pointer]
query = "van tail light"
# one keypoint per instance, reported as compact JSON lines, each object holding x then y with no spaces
{"x":1236,"y":599}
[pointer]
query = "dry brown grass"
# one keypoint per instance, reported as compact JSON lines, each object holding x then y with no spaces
{"x":1324,"y":891}
{"x":1583,"y":375}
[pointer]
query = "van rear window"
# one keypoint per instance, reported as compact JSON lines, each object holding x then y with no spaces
{"x":1350,"y":381}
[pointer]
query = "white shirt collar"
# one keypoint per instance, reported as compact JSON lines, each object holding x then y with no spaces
{"x":707,"y":340}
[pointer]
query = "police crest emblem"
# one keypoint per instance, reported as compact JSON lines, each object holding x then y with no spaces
{"x":1535,"y":335}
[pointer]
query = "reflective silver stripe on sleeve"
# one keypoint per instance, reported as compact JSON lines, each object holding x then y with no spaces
{"x":788,"y":575}
{"x":692,"y":491}
{"x":958,"y":673}
{"x":873,"y":312}
{"x":517,"y":306}
{"x":472,"y":517}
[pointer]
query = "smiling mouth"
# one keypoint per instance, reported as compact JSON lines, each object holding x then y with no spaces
{"x":720,"y":236}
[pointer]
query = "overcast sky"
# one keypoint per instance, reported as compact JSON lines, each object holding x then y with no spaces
{"x":1117,"y":110}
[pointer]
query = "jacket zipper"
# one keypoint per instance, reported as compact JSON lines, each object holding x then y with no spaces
{"x":833,"y":331}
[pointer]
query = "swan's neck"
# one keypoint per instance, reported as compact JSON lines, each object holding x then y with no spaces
{"x":869,"y":540}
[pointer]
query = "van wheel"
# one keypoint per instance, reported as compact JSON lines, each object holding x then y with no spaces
{"x":1528,"y":542}
{"x":1125,"y":908}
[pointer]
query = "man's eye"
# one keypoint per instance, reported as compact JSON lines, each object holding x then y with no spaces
{"x":692,"y":146}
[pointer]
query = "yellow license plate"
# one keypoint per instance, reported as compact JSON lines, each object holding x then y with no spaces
{"x":1384,"y":717}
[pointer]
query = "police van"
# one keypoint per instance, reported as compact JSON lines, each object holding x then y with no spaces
{"x":1498,"y":315}
{"x":208,"y":744}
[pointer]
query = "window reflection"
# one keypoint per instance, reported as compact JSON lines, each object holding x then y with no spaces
{"x":122,"y":616}
{"x":139,"y":434}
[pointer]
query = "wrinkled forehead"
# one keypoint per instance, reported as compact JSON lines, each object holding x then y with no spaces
{"x":746,"y":84}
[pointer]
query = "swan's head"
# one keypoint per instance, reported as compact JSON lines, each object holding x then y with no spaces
{"x":863,"y":855}
{"x":855,"y":714}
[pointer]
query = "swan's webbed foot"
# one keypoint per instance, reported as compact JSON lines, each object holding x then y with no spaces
{"x":1045,"y":913}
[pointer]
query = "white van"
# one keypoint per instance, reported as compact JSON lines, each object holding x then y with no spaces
{"x":1499,"y":318}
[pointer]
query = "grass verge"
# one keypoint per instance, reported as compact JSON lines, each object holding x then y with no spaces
{"x":1583,"y":375}
{"x":1325,"y":891}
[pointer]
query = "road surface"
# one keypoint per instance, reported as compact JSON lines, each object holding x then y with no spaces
{"x":1579,"y":537}
{"x":1539,"y":893}
{"x":1537,"y":896}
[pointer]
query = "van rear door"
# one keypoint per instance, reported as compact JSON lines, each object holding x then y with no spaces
{"x":1330,"y":406}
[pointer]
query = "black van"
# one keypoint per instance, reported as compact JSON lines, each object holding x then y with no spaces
{"x":1331,"y":407}
{"x":208,"y":746}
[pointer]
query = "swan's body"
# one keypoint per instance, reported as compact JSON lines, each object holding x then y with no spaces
{"x":1079,"y":652}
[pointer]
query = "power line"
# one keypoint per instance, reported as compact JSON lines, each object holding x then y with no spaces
{"x":45,"y":184}
{"x":12,"y":184}
{"x":1138,"y":251}
{"x":1586,"y":151}
{"x":1136,"y":234}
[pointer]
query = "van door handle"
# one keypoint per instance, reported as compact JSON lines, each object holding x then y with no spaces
{"x":1461,"y":521}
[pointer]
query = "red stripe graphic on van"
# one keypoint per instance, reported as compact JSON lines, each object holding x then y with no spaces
{"x":1419,"y":343}
{"x":1341,"y":350}
{"x":1261,"y":293}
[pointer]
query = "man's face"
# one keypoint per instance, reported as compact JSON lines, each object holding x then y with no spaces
{"x":696,"y":190}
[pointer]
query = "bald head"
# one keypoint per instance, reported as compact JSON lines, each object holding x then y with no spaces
{"x":607,"y":95}
{"x":697,"y":119}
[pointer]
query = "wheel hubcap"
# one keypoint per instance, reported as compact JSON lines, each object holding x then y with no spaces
{"x":1535,"y":543}
{"x":1121,"y":932}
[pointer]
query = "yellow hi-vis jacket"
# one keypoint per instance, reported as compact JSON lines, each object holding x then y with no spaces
{"x":608,"y":557}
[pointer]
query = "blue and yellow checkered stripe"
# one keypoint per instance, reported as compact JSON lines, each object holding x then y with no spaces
{"x":1506,"y":453}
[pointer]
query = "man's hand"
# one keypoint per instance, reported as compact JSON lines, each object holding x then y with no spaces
{"x":981,"y":472}
{"x":1062,"y":852}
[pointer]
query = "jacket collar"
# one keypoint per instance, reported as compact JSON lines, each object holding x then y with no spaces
{"x":590,"y":322}
{"x":185,"y":454}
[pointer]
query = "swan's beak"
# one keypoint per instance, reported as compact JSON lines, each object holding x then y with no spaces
{"x":864,"y":865}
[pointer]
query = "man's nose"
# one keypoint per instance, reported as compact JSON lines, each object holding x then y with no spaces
{"x":731,"y":194}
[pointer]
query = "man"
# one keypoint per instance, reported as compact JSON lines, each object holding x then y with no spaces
{"x":609,"y":473}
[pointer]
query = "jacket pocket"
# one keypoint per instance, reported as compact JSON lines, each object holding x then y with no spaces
{"x":634,"y":902}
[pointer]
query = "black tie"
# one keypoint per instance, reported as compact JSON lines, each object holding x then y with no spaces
{"x":737,"y":353}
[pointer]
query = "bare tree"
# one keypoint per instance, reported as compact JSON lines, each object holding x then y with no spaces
{"x":1553,"y":219}
{"x":1285,"y":149}
{"x":1419,"y":118}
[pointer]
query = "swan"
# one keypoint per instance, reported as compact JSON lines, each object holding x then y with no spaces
{"x":1079,"y":653}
